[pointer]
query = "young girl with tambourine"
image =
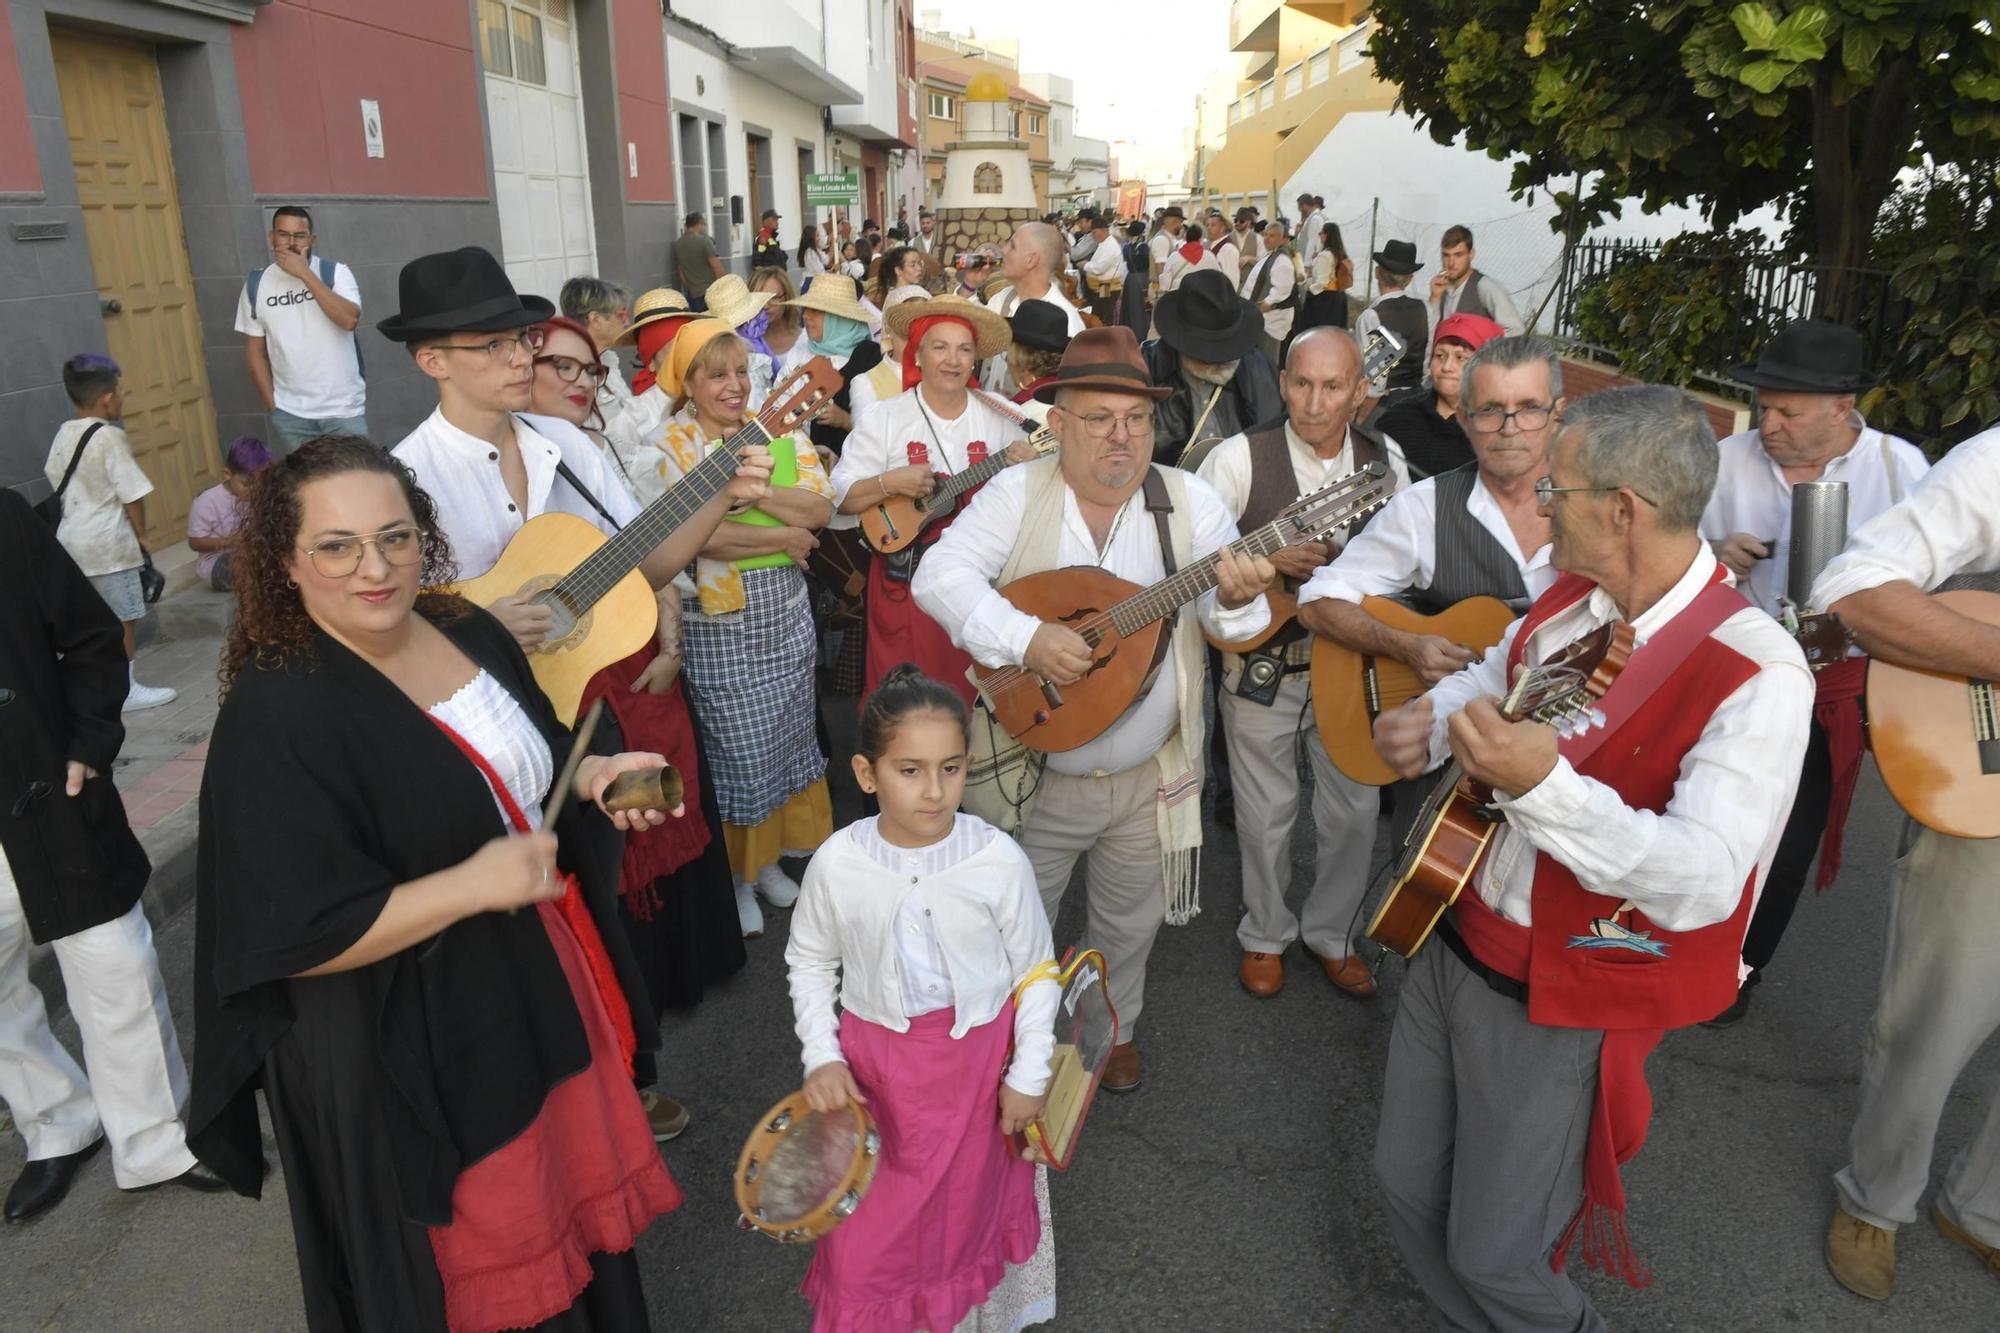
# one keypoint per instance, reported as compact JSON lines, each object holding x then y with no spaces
{"x":932,"y":919}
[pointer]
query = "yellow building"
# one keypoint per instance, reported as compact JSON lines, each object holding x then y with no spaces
{"x":946,"y":65}
{"x":1304,"y":65}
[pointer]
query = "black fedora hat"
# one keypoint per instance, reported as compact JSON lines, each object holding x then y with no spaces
{"x":1398,"y":257}
{"x":1206,"y":319}
{"x":1809,"y":356}
{"x":459,"y":291}
{"x":1040,"y":325}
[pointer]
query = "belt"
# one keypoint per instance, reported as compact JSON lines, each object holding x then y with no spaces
{"x":1496,"y":982}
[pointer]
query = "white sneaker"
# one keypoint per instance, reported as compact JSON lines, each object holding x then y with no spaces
{"x":148,"y":696}
{"x":778,"y":888}
{"x":748,"y":914}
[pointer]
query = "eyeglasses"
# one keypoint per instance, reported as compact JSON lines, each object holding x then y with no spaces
{"x":502,"y":349}
{"x":339,"y":557}
{"x":1546,"y":490}
{"x":1103,"y":428}
{"x":1491,"y":420}
{"x":567,"y":368}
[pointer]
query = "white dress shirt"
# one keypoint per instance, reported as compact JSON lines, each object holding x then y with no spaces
{"x":994,"y":376}
{"x":1163,"y":244}
{"x":881,"y":438}
{"x":1397,"y":551}
{"x":1278,"y":319}
{"x":1684,"y":868}
{"x":1499,"y":302}
{"x":1753,"y":496}
{"x":1106,"y":261}
{"x":462,"y":475}
{"x":1308,"y":238}
{"x":954,"y":585}
{"x":978,"y":930}
{"x":1227,"y":468}
{"x":1228,"y":258}
{"x":1175,"y":270}
{"x":1949,"y":524}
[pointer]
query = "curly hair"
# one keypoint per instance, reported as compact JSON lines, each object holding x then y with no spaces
{"x":272,"y":629}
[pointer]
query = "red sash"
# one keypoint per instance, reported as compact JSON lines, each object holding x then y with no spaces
{"x":1837,"y":707}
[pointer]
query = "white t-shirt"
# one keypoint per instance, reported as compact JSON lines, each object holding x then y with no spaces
{"x":93,"y":528}
{"x":315,"y":365}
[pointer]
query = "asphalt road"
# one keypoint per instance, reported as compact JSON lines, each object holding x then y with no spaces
{"x":1231,"y":1192}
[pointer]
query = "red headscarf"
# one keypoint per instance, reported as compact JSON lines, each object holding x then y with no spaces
{"x":651,"y":339}
{"x":918,"y":328}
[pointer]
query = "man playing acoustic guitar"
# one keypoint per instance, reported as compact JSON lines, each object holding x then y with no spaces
{"x":1130,"y":800}
{"x":1610,"y":906}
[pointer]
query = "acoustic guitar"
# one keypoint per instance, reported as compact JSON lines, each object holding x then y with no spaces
{"x":895,"y":523}
{"x":603,"y":606}
{"x":1457,"y":820}
{"x":1122,"y":622}
{"x":1350,"y":690}
{"x":1937,"y":736}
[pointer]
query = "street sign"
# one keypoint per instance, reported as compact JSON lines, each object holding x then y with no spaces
{"x":840,"y":190}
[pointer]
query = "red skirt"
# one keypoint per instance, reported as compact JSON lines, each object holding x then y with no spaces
{"x":901,"y":631}
{"x":585,"y":1178}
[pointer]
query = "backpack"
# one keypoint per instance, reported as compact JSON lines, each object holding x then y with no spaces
{"x":325,"y":268}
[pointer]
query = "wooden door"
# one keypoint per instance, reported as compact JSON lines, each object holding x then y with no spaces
{"x":117,"y":124}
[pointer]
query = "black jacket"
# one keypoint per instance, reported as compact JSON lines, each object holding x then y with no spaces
{"x":1249,"y":399}
{"x":63,"y":677}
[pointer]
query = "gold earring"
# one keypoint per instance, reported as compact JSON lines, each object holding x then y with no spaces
{"x":291,"y":583}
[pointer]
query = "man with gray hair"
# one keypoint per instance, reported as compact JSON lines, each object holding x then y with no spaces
{"x":1031,"y":261}
{"x":1610,"y":905}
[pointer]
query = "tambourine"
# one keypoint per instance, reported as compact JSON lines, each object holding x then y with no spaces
{"x":803,"y":1171}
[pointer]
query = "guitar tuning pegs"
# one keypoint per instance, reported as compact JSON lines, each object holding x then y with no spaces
{"x":1597,"y":718}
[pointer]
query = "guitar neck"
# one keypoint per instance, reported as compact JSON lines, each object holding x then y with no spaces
{"x":958,"y":483}
{"x":629,"y":547}
{"x":1177,"y":590}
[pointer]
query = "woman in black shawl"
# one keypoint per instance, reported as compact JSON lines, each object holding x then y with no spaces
{"x":432,"y":996}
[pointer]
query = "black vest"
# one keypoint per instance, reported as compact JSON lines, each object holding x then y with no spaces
{"x":1409,"y":319}
{"x":1469,"y":561}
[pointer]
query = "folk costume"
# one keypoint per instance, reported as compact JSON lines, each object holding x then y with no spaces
{"x":1403,"y":315}
{"x":1234,"y":388}
{"x":932,"y":946}
{"x":1432,"y":438}
{"x":1479,"y":294}
{"x":1609,"y":909}
{"x":461,"y":1141}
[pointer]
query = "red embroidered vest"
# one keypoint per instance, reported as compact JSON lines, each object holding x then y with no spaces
{"x":1674,"y":979}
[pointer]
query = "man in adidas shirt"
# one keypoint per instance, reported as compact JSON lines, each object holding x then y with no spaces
{"x":299,"y":316}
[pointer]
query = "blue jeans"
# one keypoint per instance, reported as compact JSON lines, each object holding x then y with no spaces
{"x":291,"y":431}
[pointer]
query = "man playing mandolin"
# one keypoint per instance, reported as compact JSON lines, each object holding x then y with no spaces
{"x":1610,"y":905}
{"x":1130,"y":799}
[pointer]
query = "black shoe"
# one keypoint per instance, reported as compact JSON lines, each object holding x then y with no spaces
{"x":197,"y":1177}
{"x":42,"y":1185}
{"x":1734,"y":1013}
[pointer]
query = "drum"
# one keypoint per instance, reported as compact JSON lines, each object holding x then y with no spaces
{"x":1086,"y":1030}
{"x":802,"y":1171}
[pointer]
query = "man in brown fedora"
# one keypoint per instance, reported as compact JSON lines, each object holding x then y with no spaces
{"x":1807,"y":430}
{"x":1128,"y":802}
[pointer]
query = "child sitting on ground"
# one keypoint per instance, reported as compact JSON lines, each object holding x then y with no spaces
{"x":213,"y":516}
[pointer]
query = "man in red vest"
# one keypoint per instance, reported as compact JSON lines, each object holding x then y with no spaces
{"x":1610,"y":905}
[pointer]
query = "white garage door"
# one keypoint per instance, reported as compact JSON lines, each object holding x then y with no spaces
{"x":535,"y":116}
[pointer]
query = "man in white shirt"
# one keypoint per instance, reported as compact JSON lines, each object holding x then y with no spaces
{"x":1312,"y":216}
{"x":1104,"y":271}
{"x":1461,"y":288}
{"x":1130,"y":800}
{"x":1030,"y":261}
{"x":1245,"y":235}
{"x":1609,"y":907}
{"x":1940,"y":996}
{"x":1806,"y":378}
{"x":1269,"y":285}
{"x":298,"y":316}
{"x":1222,"y":245}
{"x":1265,"y":701}
{"x":1169,"y":238}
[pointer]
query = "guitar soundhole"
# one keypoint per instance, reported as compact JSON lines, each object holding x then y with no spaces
{"x":569,"y":630}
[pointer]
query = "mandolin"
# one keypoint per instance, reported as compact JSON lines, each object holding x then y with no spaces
{"x":603,"y":606}
{"x":1350,"y":690}
{"x":1122,"y":622}
{"x":1937,"y":737}
{"x":1451,"y":831}
{"x":895,"y":523}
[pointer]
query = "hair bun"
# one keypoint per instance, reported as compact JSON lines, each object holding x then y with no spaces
{"x":902,"y":673}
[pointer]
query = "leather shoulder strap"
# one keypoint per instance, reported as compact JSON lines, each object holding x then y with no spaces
{"x":1161,"y":506}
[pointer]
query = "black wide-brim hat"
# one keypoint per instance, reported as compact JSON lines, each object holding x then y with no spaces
{"x":1398,"y":257}
{"x":459,"y":291}
{"x":1041,"y":325}
{"x":1206,"y":319}
{"x":1809,"y":356}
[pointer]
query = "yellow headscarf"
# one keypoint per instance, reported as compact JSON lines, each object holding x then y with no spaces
{"x":687,"y":345}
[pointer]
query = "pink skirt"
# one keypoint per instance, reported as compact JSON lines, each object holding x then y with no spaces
{"x":951,"y":1205}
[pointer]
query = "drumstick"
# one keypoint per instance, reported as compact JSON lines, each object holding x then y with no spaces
{"x":577,"y":749}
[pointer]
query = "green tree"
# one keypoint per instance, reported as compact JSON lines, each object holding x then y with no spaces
{"x":1813,"y":106}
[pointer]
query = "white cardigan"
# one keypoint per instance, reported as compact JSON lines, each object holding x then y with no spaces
{"x":988,"y":919}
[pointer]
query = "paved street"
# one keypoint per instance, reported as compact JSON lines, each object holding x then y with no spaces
{"x":1232,"y":1192}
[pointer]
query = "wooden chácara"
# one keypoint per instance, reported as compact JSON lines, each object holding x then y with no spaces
{"x":1936,"y":736}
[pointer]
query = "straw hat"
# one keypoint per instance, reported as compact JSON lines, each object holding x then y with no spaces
{"x":833,"y":294}
{"x":991,"y":334}
{"x":731,"y":300}
{"x":652,"y":307}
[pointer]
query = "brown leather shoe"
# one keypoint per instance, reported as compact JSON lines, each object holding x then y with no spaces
{"x":1958,"y":1235}
{"x":1262,"y":974}
{"x":1350,"y":975}
{"x":1861,"y":1255}
{"x":1121,"y":1071}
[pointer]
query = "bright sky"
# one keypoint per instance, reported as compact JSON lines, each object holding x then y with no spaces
{"x":1137,"y":69}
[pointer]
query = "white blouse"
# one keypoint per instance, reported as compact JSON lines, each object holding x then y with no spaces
{"x":492,"y":721}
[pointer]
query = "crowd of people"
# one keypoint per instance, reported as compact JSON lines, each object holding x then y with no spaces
{"x":445,"y":970}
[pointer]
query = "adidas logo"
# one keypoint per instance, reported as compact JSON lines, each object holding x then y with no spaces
{"x":300,"y":297}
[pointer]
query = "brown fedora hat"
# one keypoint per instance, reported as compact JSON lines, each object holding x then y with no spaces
{"x":1106,"y":360}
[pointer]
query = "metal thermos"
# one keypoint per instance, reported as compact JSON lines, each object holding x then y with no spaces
{"x":1819,"y":531}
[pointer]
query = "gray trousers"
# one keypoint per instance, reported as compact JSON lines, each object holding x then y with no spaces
{"x":1263,"y":766}
{"x":1940,"y":1003}
{"x":1112,"y":821}
{"x":1480,"y":1151}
